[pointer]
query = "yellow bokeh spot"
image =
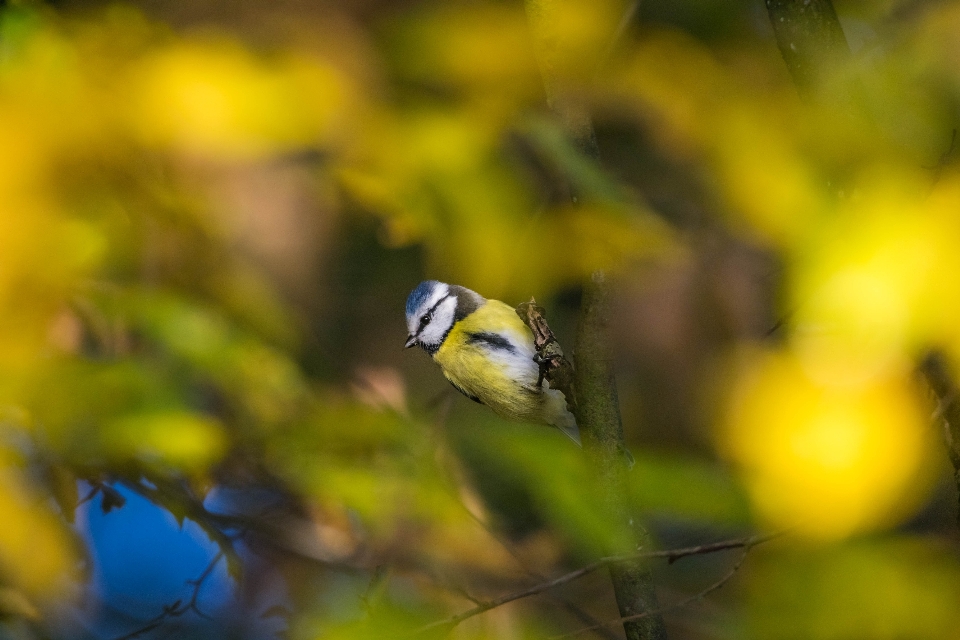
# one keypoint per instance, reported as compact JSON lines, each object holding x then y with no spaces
{"x":35,"y":552}
{"x":570,"y":35}
{"x":851,"y":329}
{"x":763,"y":177}
{"x":829,"y":460}
{"x":875,"y":286}
{"x":218,"y":100}
{"x":175,"y":438}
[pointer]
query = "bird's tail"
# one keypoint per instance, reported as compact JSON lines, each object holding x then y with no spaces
{"x":568,"y":425}
{"x":556,"y":414}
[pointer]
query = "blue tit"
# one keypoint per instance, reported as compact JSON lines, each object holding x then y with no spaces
{"x":486,"y":351}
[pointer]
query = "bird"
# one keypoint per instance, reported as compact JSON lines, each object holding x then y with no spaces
{"x":486,"y":352}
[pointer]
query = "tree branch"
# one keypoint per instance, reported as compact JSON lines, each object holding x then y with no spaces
{"x":670,"y":555}
{"x":598,"y":415}
{"x":571,"y":607}
{"x":812,"y":44}
{"x":679,"y":605}
{"x":629,"y":13}
{"x":181,"y":503}
{"x":935,"y":369}
{"x":555,"y":62}
{"x":595,"y":395}
{"x":179,"y":607}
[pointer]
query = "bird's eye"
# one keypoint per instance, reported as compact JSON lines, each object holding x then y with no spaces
{"x":425,"y":319}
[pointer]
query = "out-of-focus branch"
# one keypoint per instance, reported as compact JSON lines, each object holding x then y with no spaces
{"x":944,"y":160}
{"x":571,"y":607}
{"x":812,"y":43}
{"x":671,"y":555}
{"x":700,"y":595}
{"x":937,"y":373}
{"x":629,"y":13}
{"x":179,"y":607}
{"x":554,"y":61}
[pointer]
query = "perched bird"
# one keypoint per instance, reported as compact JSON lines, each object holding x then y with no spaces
{"x":486,"y":351}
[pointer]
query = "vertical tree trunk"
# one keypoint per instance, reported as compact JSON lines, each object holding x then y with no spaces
{"x":598,"y":414}
{"x":598,"y":410}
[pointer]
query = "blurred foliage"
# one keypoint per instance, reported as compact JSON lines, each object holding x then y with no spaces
{"x":874,"y":588}
{"x":211,"y":215}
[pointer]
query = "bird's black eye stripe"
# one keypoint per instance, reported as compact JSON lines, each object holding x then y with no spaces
{"x":425,"y":318}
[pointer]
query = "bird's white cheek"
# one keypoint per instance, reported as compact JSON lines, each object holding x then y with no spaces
{"x":441,"y":322}
{"x":431,"y":335}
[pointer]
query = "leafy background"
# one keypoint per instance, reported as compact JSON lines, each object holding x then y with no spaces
{"x":211,"y":214}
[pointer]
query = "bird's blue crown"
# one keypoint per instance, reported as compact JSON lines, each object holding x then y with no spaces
{"x":420,"y":294}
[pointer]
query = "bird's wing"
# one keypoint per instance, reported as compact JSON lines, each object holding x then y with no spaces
{"x":571,"y":431}
{"x":464,"y":392}
{"x":555,"y":412}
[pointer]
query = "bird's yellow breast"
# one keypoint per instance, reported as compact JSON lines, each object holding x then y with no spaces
{"x":489,"y":355}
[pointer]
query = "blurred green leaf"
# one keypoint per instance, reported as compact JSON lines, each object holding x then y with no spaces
{"x":873,"y":589}
{"x":555,"y":474}
{"x":688,"y":488}
{"x":177,"y":439}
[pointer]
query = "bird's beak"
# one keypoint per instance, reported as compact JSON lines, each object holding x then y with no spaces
{"x":411,"y":340}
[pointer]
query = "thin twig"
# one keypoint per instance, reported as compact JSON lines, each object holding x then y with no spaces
{"x":678,"y":605}
{"x":198,"y":584}
{"x":463,"y":593}
{"x":670,"y":555}
{"x":378,"y":578}
{"x":571,"y":607}
{"x":443,"y":412}
{"x":90,"y":495}
{"x":179,"y":608}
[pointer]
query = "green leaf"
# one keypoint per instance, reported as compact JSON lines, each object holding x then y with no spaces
{"x":112,"y":499}
{"x":687,"y":488}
